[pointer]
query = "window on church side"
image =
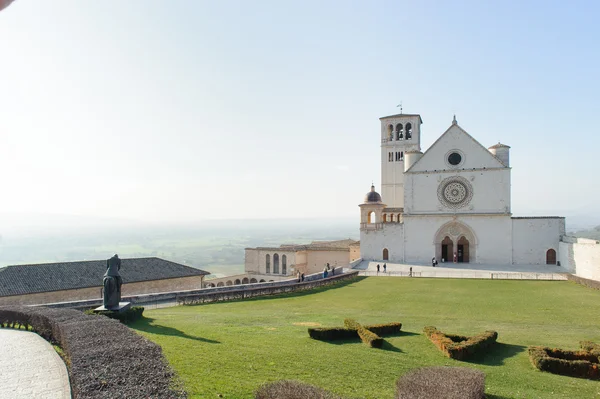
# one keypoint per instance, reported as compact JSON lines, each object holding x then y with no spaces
{"x":391,"y":132}
{"x":390,"y":156}
{"x":283,"y":264}
{"x":408,"y":131}
{"x":399,"y":131}
{"x":276,"y":264}
{"x":268,"y":260}
{"x":402,"y":155}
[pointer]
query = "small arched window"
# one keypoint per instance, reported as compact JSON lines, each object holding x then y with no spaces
{"x":386,"y":254}
{"x":399,"y":135}
{"x":391,"y":217}
{"x":372,"y":217}
{"x":237,"y":281}
{"x":245,"y":280}
{"x":408,"y":131}
{"x":228,"y":283}
{"x":402,"y":155}
{"x":276,"y":264}
{"x":391,"y":132}
{"x":384,"y":218}
{"x":284,"y":264}
{"x":220,"y":284}
{"x":253,"y":281}
{"x":399,"y":218}
{"x":268,"y":260}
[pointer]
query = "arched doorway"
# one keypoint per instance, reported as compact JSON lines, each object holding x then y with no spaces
{"x":462,"y":250}
{"x":447,"y":248}
{"x":386,"y":255}
{"x":551,"y":257}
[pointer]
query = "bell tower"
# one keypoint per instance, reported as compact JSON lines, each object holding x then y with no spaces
{"x":399,"y":134}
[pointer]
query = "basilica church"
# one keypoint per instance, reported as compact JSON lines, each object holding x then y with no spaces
{"x":452,"y":202}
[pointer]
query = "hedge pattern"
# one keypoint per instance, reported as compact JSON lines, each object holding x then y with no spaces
{"x":370,"y":335}
{"x":581,"y":364}
{"x":441,"y":382}
{"x":460,"y":347}
{"x":105,"y":359}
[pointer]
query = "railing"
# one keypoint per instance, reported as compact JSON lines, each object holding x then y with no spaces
{"x":467,"y":274}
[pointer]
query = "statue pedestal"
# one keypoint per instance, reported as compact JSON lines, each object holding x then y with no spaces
{"x":123,"y":306}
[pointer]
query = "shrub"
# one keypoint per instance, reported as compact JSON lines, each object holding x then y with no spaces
{"x":441,"y":383}
{"x":105,"y":359}
{"x":460,"y":347}
{"x":292,"y":390}
{"x":590,"y":347}
{"x":385,"y":329}
{"x":127,"y":316}
{"x":331,"y":334}
{"x":582,"y":364}
{"x":370,"y":338}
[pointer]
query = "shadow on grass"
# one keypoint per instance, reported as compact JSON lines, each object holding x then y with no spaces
{"x":497,"y":354}
{"x":386,"y":345}
{"x":489,"y":396}
{"x":145,"y":324}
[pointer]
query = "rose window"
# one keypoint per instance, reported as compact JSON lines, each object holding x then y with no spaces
{"x":455,"y":192}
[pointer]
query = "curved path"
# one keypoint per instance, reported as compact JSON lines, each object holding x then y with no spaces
{"x":30,"y":367}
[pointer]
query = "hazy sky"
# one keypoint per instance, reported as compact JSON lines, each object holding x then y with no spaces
{"x":181,"y":110}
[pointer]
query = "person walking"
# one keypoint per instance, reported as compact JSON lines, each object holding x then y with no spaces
{"x":410,"y":272}
{"x":298,"y":275}
{"x":384,"y":267}
{"x":302,"y":276}
{"x":325,"y":273}
{"x":378,"y":268}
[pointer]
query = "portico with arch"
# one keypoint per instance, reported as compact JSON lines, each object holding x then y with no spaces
{"x":455,"y":238}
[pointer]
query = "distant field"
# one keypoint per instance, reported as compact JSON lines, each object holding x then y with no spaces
{"x":232,"y":348}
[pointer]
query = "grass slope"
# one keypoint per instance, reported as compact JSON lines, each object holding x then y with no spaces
{"x":232,"y":348}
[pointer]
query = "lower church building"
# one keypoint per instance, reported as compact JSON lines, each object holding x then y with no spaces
{"x":451,"y":202}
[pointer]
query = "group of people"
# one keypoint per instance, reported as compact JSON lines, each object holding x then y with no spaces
{"x":328,"y":269}
{"x":384,"y":268}
{"x":300,"y":276}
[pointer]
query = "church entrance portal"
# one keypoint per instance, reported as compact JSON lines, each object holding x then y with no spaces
{"x":447,"y":246}
{"x":462,"y":252}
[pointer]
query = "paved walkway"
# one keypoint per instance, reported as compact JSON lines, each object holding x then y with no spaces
{"x":464,"y":270}
{"x":30,"y":367}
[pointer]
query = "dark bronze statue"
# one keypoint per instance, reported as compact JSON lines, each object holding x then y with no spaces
{"x":112,"y":283}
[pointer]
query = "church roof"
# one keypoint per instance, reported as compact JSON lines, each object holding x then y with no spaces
{"x":30,"y":279}
{"x":454,"y":124}
{"x":398,"y":115}
{"x":372,"y":196}
{"x":335,"y":245}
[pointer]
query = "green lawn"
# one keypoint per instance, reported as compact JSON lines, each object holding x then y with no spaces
{"x":232,"y":348}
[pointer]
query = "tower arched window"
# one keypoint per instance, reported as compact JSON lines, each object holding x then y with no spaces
{"x":391,"y":132}
{"x":408,"y":131}
{"x":391,"y":217}
{"x":283,"y":264}
{"x":268,"y":261}
{"x":276,"y":264}
{"x":372,"y":217}
{"x":384,"y":218}
{"x":399,"y":135}
{"x":402,"y":155}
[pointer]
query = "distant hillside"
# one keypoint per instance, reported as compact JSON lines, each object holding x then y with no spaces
{"x":593,"y":234}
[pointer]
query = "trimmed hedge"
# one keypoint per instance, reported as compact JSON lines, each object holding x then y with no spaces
{"x":367,"y":337}
{"x":460,"y":347}
{"x":581,"y":364}
{"x":590,"y":346}
{"x":331,"y":334}
{"x":292,"y":390}
{"x":128,"y":316}
{"x":351,"y":330}
{"x":385,"y":329}
{"x":441,"y":383}
{"x":105,"y":359}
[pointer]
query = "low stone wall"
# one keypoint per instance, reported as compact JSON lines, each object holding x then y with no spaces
{"x":172,"y":298}
{"x":584,"y":281}
{"x":580,"y":256}
{"x":273,"y":289}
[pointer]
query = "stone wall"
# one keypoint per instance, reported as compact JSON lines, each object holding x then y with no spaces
{"x":533,"y":237}
{"x":145,"y":287}
{"x":580,"y":256}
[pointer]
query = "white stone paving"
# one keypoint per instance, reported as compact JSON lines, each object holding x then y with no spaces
{"x":464,"y":270}
{"x":30,"y":367}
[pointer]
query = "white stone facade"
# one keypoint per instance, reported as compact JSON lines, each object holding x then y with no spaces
{"x":454,"y":200}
